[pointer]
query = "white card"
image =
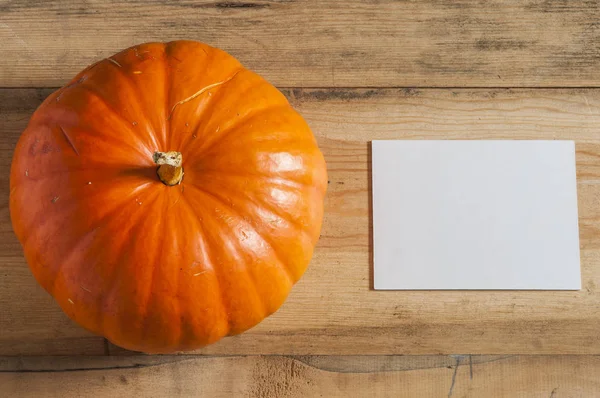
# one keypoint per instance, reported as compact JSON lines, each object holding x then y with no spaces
{"x":475,"y":215}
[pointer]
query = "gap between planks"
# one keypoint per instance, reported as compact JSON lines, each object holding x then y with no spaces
{"x":490,"y":88}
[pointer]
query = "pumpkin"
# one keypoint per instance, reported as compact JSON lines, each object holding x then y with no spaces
{"x":167,"y":197}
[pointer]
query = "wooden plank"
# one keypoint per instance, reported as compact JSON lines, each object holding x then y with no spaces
{"x":333,"y":310}
{"x":385,"y":376}
{"x":319,"y":43}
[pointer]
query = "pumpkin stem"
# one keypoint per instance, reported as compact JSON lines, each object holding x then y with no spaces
{"x":169,"y":170}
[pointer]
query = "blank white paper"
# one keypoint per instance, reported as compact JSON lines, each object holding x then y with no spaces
{"x":475,"y":215}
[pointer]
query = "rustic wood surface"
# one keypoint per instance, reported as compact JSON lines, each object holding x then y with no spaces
{"x":320,"y":43}
{"x":357,"y":71}
{"x":333,"y":310}
{"x":280,"y":377}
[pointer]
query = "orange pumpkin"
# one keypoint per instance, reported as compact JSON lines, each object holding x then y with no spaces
{"x":167,"y":197}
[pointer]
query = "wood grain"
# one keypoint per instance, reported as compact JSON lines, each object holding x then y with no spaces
{"x":319,"y":43}
{"x":333,"y":309}
{"x":280,"y":377}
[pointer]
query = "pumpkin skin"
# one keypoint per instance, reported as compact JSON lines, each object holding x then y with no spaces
{"x":158,"y":268}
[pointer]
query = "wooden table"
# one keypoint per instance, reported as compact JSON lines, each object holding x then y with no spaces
{"x":357,"y":71}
